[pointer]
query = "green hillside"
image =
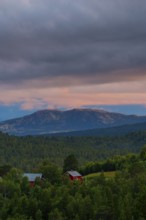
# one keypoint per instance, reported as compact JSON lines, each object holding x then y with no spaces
{"x":108,"y":175}
{"x":26,"y":152}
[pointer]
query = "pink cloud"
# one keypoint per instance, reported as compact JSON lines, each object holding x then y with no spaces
{"x":76,"y":96}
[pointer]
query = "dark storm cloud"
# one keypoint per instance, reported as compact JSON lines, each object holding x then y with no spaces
{"x":77,"y":39}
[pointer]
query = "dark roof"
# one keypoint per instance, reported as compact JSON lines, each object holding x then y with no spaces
{"x":32,"y":176}
{"x":73,"y":173}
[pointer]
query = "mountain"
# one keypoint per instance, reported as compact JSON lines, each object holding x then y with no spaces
{"x":53,"y":121}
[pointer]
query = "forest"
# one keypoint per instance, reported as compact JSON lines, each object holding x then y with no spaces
{"x":120,"y":197}
{"x":26,"y":152}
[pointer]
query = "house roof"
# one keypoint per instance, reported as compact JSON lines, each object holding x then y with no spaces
{"x":32,"y":176}
{"x":73,"y":173}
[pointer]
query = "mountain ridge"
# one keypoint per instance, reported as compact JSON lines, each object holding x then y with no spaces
{"x":52,"y":121}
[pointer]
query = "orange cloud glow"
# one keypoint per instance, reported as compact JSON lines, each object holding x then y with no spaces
{"x":104,"y":94}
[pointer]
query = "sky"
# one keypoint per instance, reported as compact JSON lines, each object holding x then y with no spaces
{"x":72,"y":54}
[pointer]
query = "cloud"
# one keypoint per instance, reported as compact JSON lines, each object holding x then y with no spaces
{"x":62,"y":42}
{"x":76,"y":96}
{"x":63,"y":53}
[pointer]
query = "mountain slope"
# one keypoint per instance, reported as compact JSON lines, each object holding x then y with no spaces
{"x":52,"y":121}
{"x":112,"y":131}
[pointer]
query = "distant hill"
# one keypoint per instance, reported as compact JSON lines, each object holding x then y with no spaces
{"x":112,"y":131}
{"x":54,"y":121}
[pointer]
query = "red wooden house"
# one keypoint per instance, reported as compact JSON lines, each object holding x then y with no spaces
{"x":32,"y":177}
{"x":74,"y":175}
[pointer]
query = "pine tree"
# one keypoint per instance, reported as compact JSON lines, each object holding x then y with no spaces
{"x":70,"y":163}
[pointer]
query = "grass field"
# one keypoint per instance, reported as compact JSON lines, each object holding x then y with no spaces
{"x":110,"y":174}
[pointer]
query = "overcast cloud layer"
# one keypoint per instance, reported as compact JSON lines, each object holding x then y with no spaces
{"x":46,"y":39}
{"x":52,"y":47}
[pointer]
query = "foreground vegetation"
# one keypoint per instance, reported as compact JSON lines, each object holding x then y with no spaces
{"x":114,"y":186}
{"x":120,"y":197}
